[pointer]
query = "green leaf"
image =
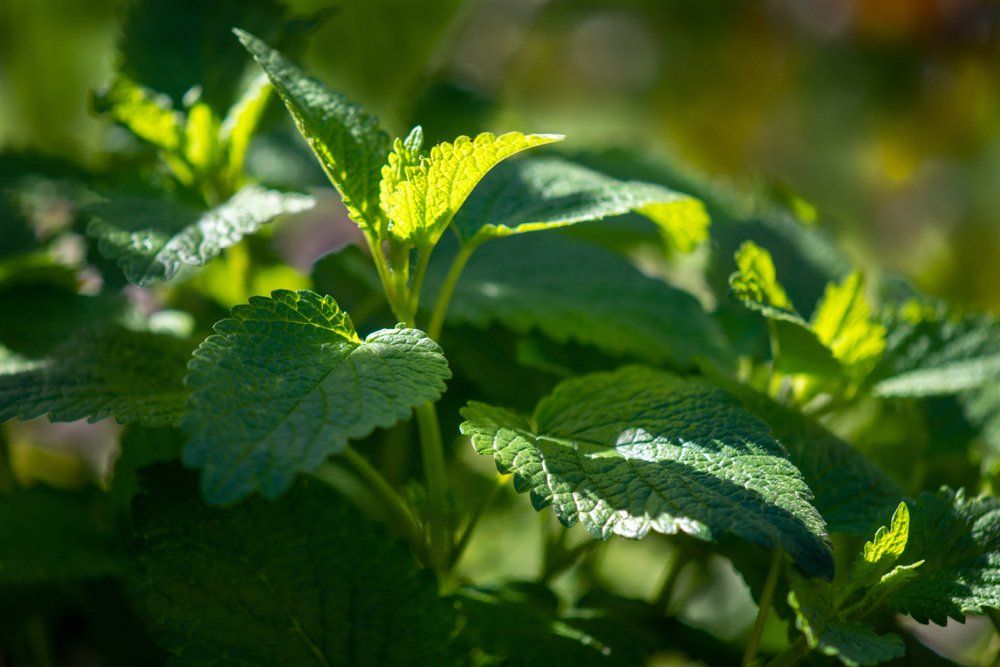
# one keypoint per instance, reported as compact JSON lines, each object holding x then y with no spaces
{"x":852,"y":494}
{"x":571,"y":290}
{"x":306,"y":580}
{"x":147,"y":114}
{"x":56,"y":536}
{"x":852,"y":643}
{"x":201,"y":138}
{"x":843,"y":323}
{"x":152,"y":239}
{"x":638,"y":450}
{"x":241,"y":122}
{"x":841,"y":340}
{"x":542,"y":193}
{"x":348,"y":141}
{"x":38,"y":316}
{"x":421,"y":199}
{"x":881,"y":553}
{"x":958,"y":539}
{"x":287,"y":382}
{"x":756,"y":286}
{"x":933,"y":352}
{"x":133,"y":376}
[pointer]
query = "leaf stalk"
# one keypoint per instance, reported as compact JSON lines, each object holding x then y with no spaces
{"x":447,"y":289}
{"x":766,"y":599}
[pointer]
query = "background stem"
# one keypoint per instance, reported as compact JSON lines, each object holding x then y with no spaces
{"x":766,"y":598}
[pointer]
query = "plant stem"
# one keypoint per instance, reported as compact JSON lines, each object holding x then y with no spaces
{"x":466,"y":537}
{"x":766,"y":598}
{"x":566,"y":559}
{"x":436,"y":476}
{"x":394,"y":503}
{"x":791,"y":655}
{"x":383,"y":271}
{"x":418,"y":279}
{"x":447,"y":289}
{"x":666,"y":592}
{"x":396,"y":509}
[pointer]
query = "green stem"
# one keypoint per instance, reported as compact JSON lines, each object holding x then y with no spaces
{"x":394,"y":503}
{"x":666,"y":592}
{"x":470,"y":527}
{"x":447,"y":289}
{"x":378,"y":257}
{"x":397,"y":510}
{"x":566,"y":559}
{"x":766,"y":598}
{"x":436,"y":476}
{"x":791,"y":655}
{"x":413,"y":302}
{"x":399,"y":263}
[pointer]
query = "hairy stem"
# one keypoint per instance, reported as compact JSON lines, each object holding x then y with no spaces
{"x":382,"y":268}
{"x":447,"y":289}
{"x":436,"y":477}
{"x":766,"y":598}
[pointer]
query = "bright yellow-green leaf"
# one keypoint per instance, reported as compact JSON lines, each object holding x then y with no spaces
{"x":421,"y":199}
{"x":843,"y":323}
{"x":684,"y":223}
{"x":241,"y":122}
{"x":841,"y":342}
{"x":405,"y":153}
{"x":889,"y":542}
{"x":874,"y":574}
{"x":756,"y":283}
{"x":201,"y":138}
{"x":147,"y":114}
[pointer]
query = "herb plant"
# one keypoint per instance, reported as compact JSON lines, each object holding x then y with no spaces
{"x":312,"y":523}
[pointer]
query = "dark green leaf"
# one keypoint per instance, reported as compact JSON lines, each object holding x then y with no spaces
{"x":638,"y":450}
{"x":574,"y":291}
{"x":934,"y":353}
{"x":133,"y":376}
{"x":287,"y":382}
{"x":306,"y":580}
{"x":958,"y":539}
{"x":152,"y":239}
{"x":541,"y":193}
{"x":56,"y":536}
{"x":347,"y":140}
{"x":851,"y":493}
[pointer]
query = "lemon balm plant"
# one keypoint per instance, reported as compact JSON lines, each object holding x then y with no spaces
{"x":654,"y":418}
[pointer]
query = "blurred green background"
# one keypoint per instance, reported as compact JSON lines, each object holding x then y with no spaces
{"x":883,"y":115}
